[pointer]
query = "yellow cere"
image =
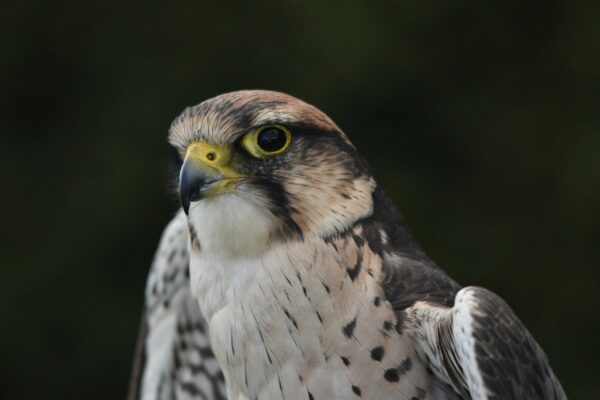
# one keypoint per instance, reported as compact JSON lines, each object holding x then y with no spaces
{"x":215,"y":159}
{"x":215,"y":156}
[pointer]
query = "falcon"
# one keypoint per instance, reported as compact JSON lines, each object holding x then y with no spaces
{"x":289,"y":274}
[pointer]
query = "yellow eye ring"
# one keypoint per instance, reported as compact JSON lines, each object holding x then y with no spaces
{"x":268,"y":140}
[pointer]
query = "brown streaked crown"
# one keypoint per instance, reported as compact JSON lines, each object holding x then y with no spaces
{"x":222,"y":119}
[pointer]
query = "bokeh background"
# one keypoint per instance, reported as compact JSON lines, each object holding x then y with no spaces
{"x":480,"y":118}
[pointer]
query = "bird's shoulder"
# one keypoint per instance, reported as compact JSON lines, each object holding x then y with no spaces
{"x":407,"y":273}
{"x":480,"y":349}
{"x":470,"y":337}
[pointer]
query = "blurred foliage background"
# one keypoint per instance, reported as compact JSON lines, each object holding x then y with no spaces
{"x":480,"y":118}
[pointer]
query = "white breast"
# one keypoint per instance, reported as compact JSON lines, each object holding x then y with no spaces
{"x":277,"y":311}
{"x":255,"y":306}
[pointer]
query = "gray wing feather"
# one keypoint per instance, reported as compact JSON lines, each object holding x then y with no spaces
{"x":173,"y":357}
{"x":479,"y":349}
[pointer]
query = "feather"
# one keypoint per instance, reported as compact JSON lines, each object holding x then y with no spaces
{"x":481,"y":349}
{"x":173,"y":357}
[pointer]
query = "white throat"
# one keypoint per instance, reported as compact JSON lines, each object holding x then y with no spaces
{"x":232,"y":234}
{"x":229,"y":226}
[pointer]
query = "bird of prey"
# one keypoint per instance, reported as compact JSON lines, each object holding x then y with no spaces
{"x":289,"y":274}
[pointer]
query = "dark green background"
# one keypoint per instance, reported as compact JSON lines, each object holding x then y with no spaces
{"x":480,"y":118}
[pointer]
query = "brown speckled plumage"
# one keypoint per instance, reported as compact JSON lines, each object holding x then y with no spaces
{"x":311,"y":285}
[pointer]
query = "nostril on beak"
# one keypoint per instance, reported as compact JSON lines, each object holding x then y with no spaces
{"x":211,"y":156}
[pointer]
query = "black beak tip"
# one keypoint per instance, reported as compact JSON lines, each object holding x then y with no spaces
{"x":187,"y":195}
{"x":185,"y":204}
{"x":191,"y":182}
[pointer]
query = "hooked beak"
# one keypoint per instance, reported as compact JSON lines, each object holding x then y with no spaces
{"x":205,"y":172}
{"x":192,"y":180}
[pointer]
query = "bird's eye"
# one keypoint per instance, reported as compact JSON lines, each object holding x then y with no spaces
{"x":268,"y":140}
{"x":271,"y":139}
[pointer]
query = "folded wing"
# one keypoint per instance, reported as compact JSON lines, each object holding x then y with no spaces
{"x":479,"y":349}
{"x":173,"y":357}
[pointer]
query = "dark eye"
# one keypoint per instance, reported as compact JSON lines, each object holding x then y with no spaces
{"x":267,"y":141}
{"x":272,"y":139}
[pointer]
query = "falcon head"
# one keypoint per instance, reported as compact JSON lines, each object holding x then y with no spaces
{"x":261,"y":167}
